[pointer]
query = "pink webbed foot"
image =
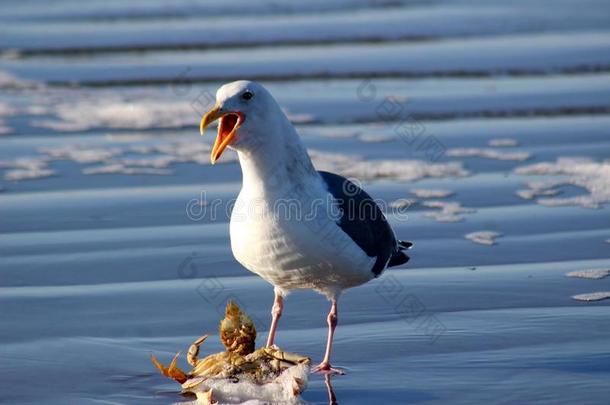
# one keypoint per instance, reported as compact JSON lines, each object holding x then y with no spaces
{"x":326,"y":369}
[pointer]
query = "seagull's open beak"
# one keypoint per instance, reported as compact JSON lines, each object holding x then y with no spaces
{"x":227,"y":128}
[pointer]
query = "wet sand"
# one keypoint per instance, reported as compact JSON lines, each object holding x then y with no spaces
{"x":467,"y":110}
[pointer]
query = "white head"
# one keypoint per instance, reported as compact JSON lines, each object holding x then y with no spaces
{"x":248,"y":117}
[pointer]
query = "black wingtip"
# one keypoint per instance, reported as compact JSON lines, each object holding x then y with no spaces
{"x":405,"y":244}
{"x":397,"y":259}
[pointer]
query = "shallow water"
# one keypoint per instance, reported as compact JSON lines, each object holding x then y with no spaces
{"x":97,"y":271}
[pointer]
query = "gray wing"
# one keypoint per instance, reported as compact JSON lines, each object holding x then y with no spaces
{"x":364,"y":222}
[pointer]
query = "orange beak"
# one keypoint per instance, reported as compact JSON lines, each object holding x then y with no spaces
{"x":227,"y":128}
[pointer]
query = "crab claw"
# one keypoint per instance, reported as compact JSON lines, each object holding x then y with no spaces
{"x":172,"y":371}
{"x":193,"y":352}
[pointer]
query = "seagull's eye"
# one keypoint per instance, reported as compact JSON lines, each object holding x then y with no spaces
{"x":247,"y":95}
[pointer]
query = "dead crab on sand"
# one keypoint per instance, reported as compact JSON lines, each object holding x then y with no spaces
{"x":271,"y":372}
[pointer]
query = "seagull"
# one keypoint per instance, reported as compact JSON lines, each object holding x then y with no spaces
{"x":294,"y":226}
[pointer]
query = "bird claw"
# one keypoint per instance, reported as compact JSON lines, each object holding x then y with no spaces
{"x":326,"y":369}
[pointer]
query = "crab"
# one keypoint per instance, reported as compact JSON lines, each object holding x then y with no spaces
{"x":240,"y":361}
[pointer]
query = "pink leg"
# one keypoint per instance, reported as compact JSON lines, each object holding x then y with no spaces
{"x":276,"y":313}
{"x":324,"y":367}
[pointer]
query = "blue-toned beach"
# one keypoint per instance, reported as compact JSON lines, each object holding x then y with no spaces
{"x":483,"y":127}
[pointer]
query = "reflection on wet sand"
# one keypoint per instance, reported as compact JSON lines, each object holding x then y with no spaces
{"x":332,"y":398}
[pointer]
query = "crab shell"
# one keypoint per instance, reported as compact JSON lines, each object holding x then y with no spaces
{"x":237,"y":331}
{"x":240,"y":362}
{"x":261,"y":365}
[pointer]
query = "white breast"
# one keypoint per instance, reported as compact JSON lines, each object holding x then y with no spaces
{"x":292,"y":241}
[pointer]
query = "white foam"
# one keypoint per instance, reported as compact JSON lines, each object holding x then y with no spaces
{"x":402,"y":170}
{"x":25,"y":162}
{"x":539,"y":188}
{"x":4,"y":129}
{"x":502,"y":142}
{"x":337,"y":133}
{"x":488,"y":153}
{"x":483,"y":237}
{"x":401,"y":204}
{"x":9,"y":81}
{"x":227,"y":391}
{"x":116,"y":111}
{"x":158,"y":162}
{"x":118,"y":168}
{"x":581,"y":172}
{"x":330,"y":161}
{"x":355,"y":167}
{"x":131,"y":111}
{"x":6,"y":110}
{"x":594,"y":296}
{"x":594,"y":274}
{"x":371,"y":138}
{"x":26,"y":168}
{"x":531,"y":194}
{"x":448,"y":211}
{"x":189,"y":151}
{"x":81,"y":154}
{"x":431,"y":193}
{"x":301,"y":118}
{"x":37,"y":110}
{"x":156,"y":159}
{"x":25,"y":174}
{"x":159,"y":157}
